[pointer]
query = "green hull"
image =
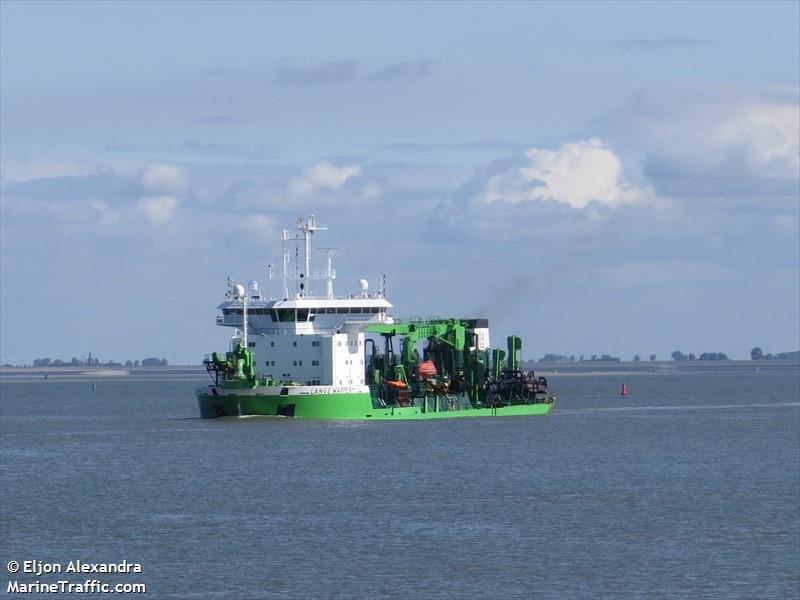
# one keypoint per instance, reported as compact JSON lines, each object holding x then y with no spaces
{"x":345,"y":406}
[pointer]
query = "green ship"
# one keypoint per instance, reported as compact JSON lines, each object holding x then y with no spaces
{"x":313,"y":356}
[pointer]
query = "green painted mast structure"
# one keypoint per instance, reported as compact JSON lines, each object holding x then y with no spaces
{"x":460,"y":368}
{"x":237,"y":369}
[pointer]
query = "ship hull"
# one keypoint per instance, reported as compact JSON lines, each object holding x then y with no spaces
{"x":216,"y":402}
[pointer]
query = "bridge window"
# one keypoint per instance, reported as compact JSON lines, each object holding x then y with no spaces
{"x":286,"y":315}
{"x":342,"y":311}
{"x":302,"y":314}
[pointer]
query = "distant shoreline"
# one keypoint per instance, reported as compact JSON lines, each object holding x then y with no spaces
{"x":567,"y":369}
{"x":655,"y":367}
{"x":191,"y":372}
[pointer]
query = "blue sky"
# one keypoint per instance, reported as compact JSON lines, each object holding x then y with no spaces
{"x":598,"y":178}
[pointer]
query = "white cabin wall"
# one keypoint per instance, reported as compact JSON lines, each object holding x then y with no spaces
{"x":327,"y":359}
{"x":294,"y":357}
{"x":482,"y":335}
{"x":348,"y":359}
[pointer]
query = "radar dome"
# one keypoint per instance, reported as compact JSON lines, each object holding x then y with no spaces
{"x":253,"y":285}
{"x":239,"y":290}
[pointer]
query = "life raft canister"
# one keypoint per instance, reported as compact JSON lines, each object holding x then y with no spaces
{"x":426,"y":369}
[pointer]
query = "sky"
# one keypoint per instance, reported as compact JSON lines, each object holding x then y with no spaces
{"x":598,"y":178}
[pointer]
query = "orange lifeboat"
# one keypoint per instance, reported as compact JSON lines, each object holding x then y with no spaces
{"x":397,"y":384}
{"x":426,"y":369}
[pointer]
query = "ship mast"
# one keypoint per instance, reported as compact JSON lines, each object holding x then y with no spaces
{"x":308,"y":227}
{"x":285,"y":271}
{"x":244,"y":317}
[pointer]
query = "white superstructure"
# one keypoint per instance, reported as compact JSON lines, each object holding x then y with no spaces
{"x":301,"y":337}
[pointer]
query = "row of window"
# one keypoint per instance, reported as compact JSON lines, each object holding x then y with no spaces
{"x":350,"y":343}
{"x":353,"y":310}
{"x":315,"y":344}
{"x":291,"y":315}
{"x":296,"y":363}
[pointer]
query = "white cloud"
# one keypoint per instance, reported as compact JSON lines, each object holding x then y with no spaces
{"x":20,"y":168}
{"x":16,"y":169}
{"x":717,"y":131}
{"x":165,"y":179}
{"x":159,"y":210}
{"x":345,"y":183}
{"x":576,"y":173}
{"x":322,"y":176}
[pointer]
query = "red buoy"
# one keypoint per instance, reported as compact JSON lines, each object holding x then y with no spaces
{"x":624,"y":390}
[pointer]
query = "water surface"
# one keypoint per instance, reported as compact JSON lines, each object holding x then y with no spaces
{"x":688,"y":487}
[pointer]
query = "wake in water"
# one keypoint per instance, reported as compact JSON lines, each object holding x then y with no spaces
{"x":674,"y":407}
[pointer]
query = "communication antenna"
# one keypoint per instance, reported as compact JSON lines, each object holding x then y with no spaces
{"x":330,"y":272}
{"x":302,"y":272}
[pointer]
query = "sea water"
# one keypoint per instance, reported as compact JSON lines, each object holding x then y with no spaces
{"x":689,"y":487}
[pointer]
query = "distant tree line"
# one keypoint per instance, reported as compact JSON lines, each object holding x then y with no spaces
{"x":758,"y":354}
{"x":560,"y":358}
{"x":95,"y":362}
{"x":680,"y":356}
